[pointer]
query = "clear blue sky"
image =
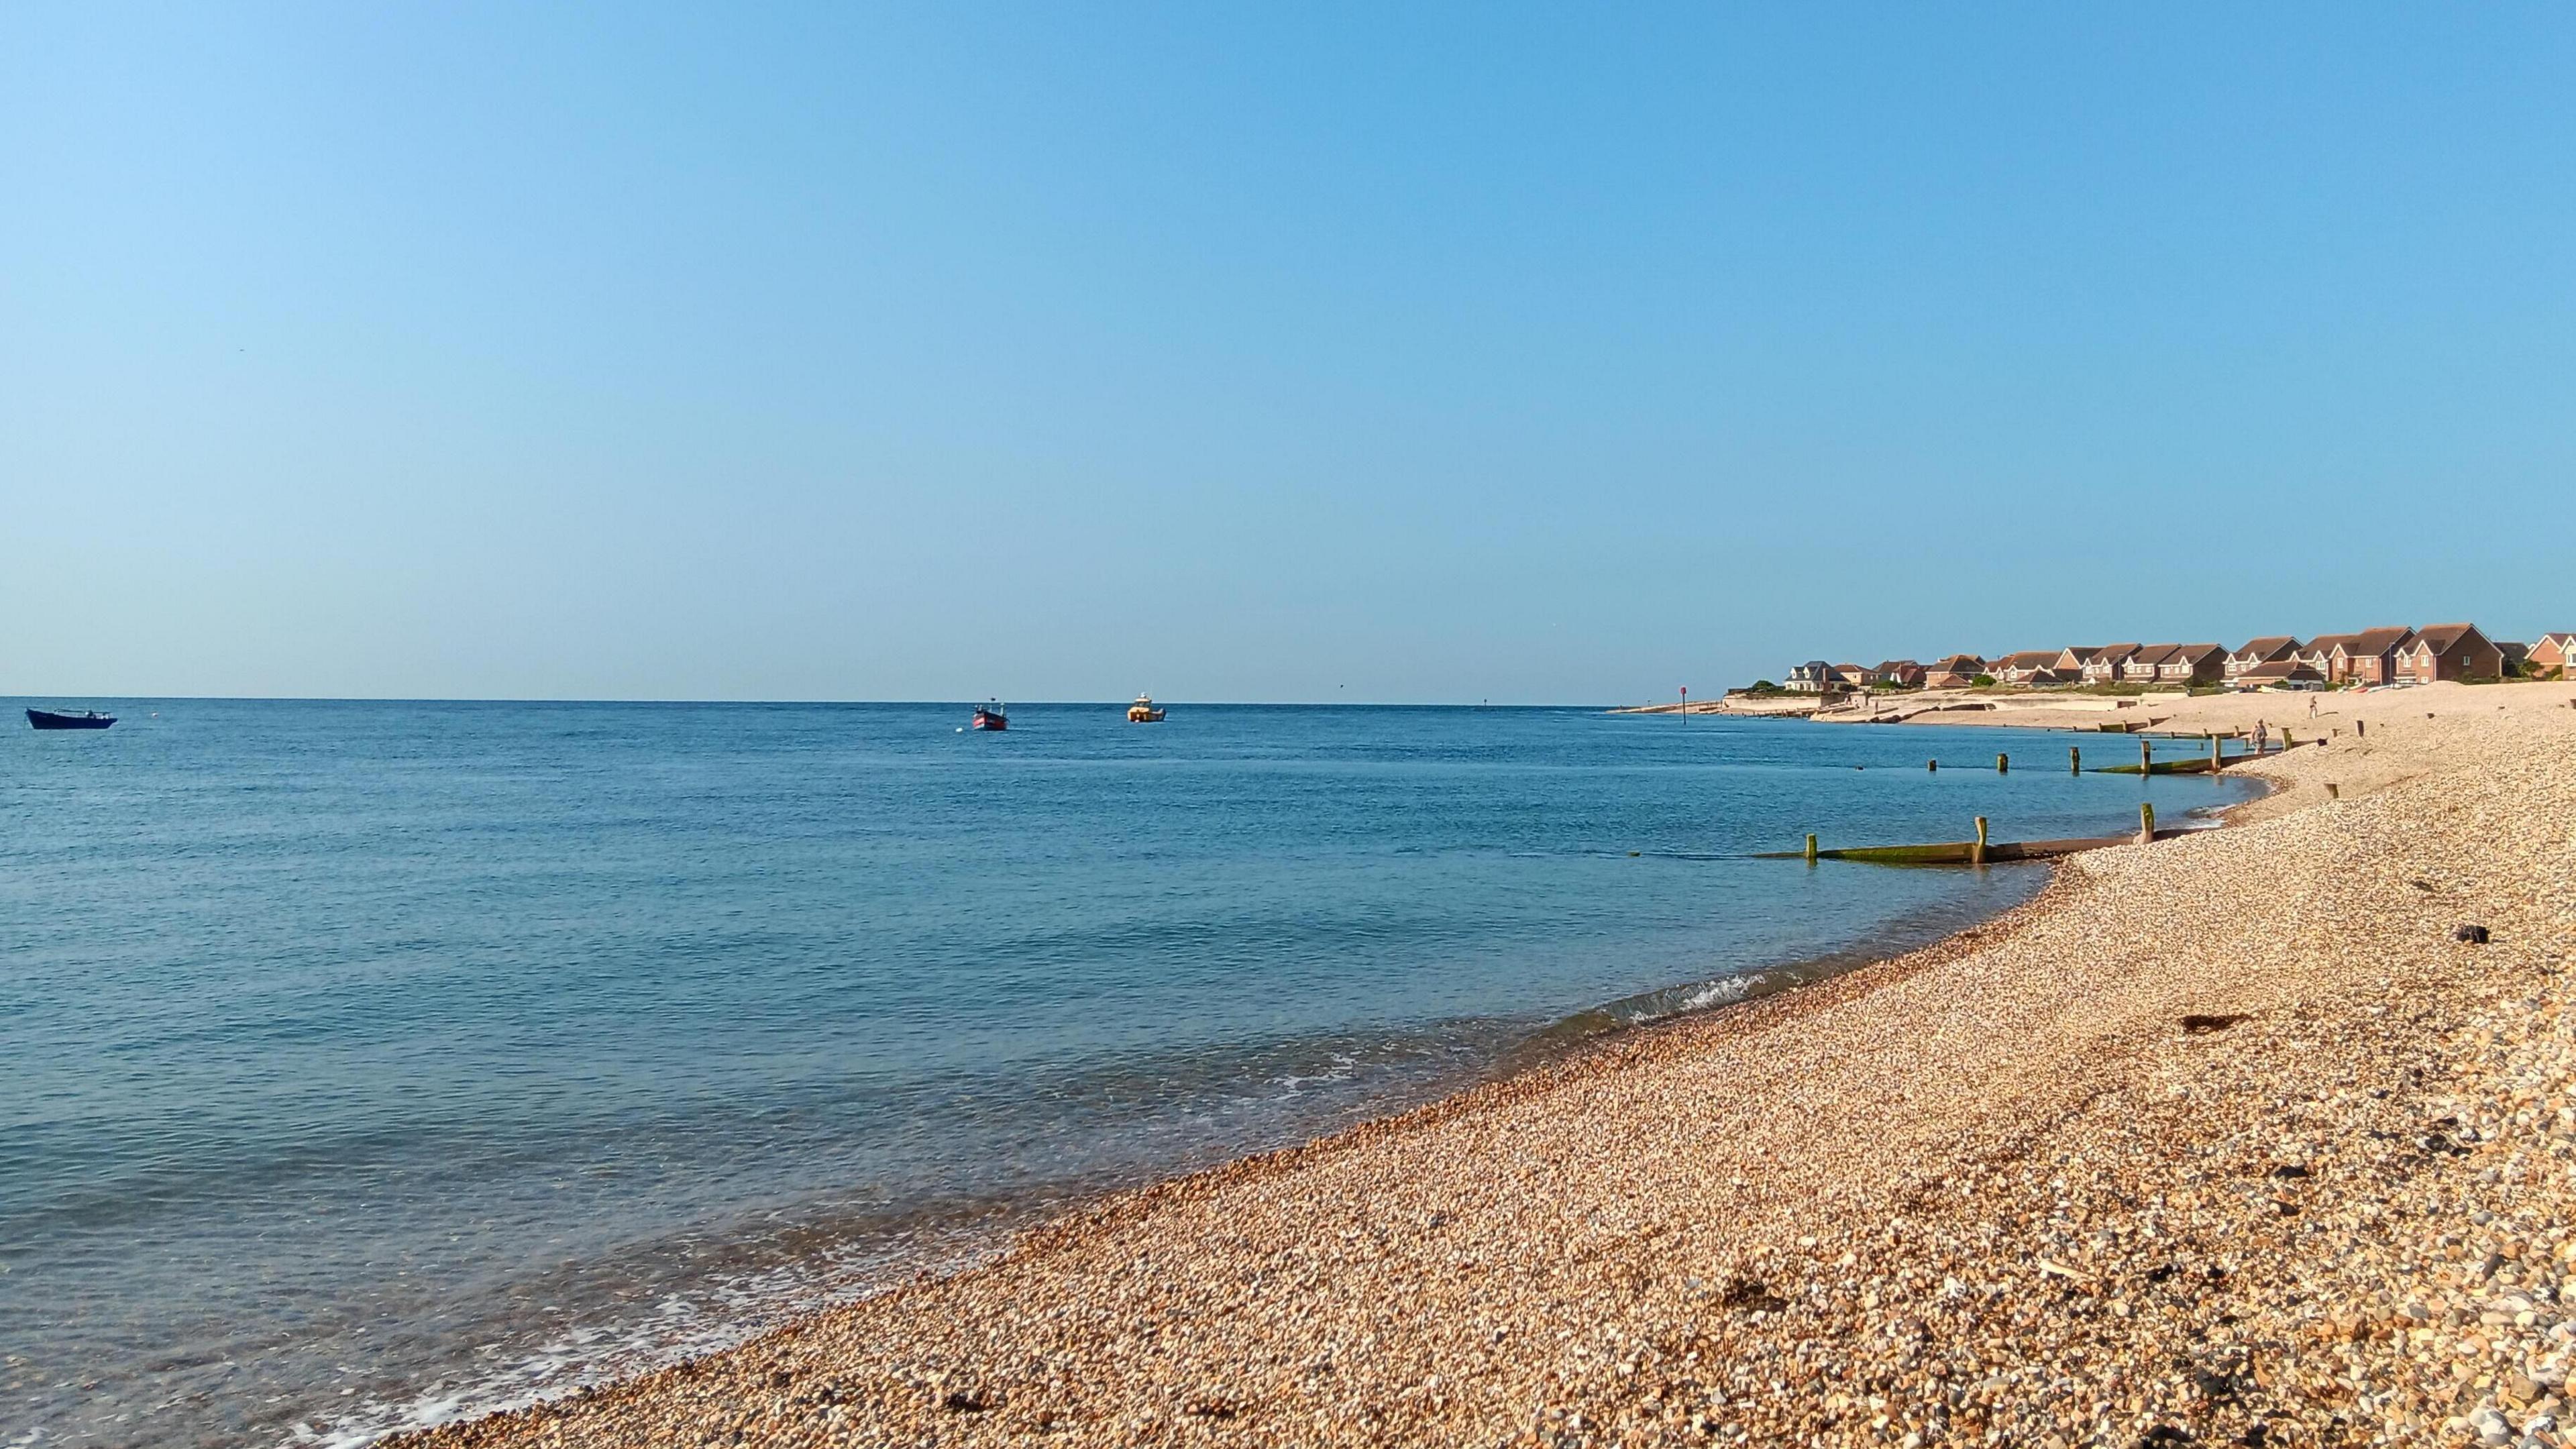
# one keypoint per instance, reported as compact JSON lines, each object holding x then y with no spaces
{"x":1263,"y":352}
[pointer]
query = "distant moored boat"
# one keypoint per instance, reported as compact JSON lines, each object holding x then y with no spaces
{"x":1144,"y":711}
{"x":991,"y":716}
{"x":88,"y":719}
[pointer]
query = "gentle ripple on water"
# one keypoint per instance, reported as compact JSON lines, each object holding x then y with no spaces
{"x":370,"y":1062}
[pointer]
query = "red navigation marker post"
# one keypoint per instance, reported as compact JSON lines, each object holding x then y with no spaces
{"x":1685,"y":704}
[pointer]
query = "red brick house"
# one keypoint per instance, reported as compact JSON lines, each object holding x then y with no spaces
{"x":2192,"y":664}
{"x":2449,"y":651}
{"x":2027,"y":666}
{"x":2553,"y":651}
{"x":2269,"y":649}
{"x":1903,"y":673}
{"x":2104,"y":666}
{"x":2370,"y":657}
{"x":2141,"y":667}
{"x":2319,"y":653}
{"x":1956,"y":672}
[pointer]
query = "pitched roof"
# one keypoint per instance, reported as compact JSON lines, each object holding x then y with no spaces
{"x":2328,"y":643}
{"x":2082,"y":653}
{"x":2267,"y":648}
{"x":2154,"y":653}
{"x":2114,"y":652}
{"x":2194,"y":653}
{"x":1892,"y":666}
{"x":2028,"y":659}
{"x":2557,"y":636}
{"x":2377,"y":641}
{"x":1958,"y":661}
{"x":2438,"y":637}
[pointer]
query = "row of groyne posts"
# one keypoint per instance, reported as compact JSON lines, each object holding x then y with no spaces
{"x":1982,"y":849}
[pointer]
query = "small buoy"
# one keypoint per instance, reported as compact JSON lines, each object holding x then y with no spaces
{"x":1632,"y":855}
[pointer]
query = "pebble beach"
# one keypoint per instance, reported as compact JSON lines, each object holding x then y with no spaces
{"x":2255,"y":1136}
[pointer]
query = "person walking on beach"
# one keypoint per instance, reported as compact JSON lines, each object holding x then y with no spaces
{"x":2260,"y":736}
{"x":2312,"y":706}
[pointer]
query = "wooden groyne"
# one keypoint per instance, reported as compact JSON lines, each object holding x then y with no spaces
{"x":1983,"y":850}
{"x":1963,"y":852}
{"x":1980,"y":851}
{"x":2217,"y":760}
{"x":2169,"y":767}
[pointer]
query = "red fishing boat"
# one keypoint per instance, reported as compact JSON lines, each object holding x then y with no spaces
{"x":990,"y":715}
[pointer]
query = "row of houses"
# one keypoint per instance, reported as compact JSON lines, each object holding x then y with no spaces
{"x":2394,"y":655}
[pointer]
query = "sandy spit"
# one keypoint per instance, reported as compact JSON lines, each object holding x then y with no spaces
{"x":2221,"y":1140}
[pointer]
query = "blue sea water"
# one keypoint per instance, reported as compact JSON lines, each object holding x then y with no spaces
{"x":365,"y":1063}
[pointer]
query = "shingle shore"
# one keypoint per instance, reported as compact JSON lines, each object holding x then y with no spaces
{"x":2220,"y":1140}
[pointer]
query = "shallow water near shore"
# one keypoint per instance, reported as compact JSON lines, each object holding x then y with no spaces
{"x":368,"y":1063}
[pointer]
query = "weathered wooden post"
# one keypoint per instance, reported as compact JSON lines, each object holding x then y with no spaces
{"x":2146,"y":822}
{"x":2074,"y":760}
{"x":2333,"y":790}
{"x":2360,"y":728}
{"x":1931,"y":764}
{"x":1811,"y":848}
{"x":2003,"y":764}
{"x":2213,"y":754}
{"x":1977,"y":856}
{"x":2146,"y":755}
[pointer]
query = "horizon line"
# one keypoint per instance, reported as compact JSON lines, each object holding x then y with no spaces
{"x":941,"y":703}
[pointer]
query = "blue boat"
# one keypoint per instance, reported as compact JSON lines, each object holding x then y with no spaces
{"x":88,"y":719}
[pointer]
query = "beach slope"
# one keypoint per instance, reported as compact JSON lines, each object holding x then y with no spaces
{"x":2225,"y":1137}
